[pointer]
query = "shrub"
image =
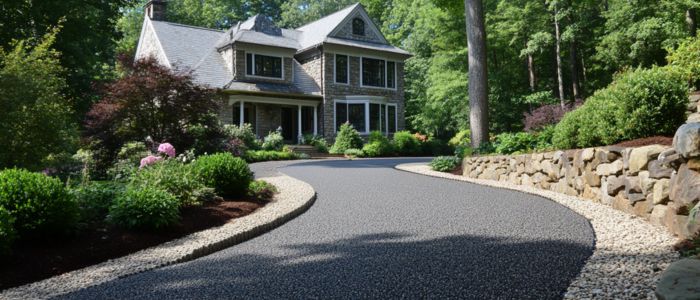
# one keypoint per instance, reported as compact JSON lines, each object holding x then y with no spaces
{"x":95,"y":198}
{"x":462,"y":137}
{"x":144,"y":207}
{"x":261,"y":190}
{"x":273,"y":141}
{"x":543,"y":138}
{"x":206,"y":137}
{"x":128,"y":160}
{"x":236,"y":147}
{"x":7,"y":231}
{"x":317,"y":142}
{"x":41,"y":205}
{"x":244,"y":133}
{"x":434,"y":146}
{"x":377,"y":145}
{"x":262,"y":155}
{"x":63,"y":165}
{"x":172,"y":176}
{"x":347,"y":138}
{"x":687,"y":58}
{"x":406,"y":143}
{"x":508,"y":143}
{"x":445,"y":163}
{"x":546,"y":115}
{"x":639,"y":103}
{"x":463,"y":150}
{"x":228,"y":175}
{"x":353,"y":153}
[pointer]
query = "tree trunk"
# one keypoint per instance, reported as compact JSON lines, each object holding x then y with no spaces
{"x":575,"y":84}
{"x":478,"y":73}
{"x":560,"y":78}
{"x":531,"y":72}
{"x":691,"y":19}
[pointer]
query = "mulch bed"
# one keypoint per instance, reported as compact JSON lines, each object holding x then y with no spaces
{"x":654,"y":140}
{"x":40,"y":260}
{"x":457,"y":171}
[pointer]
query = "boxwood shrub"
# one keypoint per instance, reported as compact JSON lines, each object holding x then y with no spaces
{"x":406,"y":143}
{"x":40,"y":205}
{"x":262,"y":155}
{"x":7,"y":231}
{"x":229,"y":175}
{"x":143,"y":207}
{"x":377,"y":145}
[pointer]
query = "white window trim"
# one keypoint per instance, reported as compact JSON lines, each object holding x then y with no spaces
{"x":362,"y":74}
{"x":383,"y":128}
{"x":252,"y":69}
{"x":347,"y":68}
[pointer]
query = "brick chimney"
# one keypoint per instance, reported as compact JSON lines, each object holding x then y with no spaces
{"x":155,"y":9}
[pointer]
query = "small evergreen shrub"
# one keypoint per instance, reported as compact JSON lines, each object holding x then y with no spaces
{"x":520,"y":142}
{"x":262,"y":190}
{"x":347,"y":138}
{"x":377,"y":145}
{"x":95,"y":198}
{"x":273,"y":141}
{"x":179,"y":179}
{"x":353,"y":153}
{"x":41,"y":205}
{"x":143,"y":207}
{"x":317,"y":142}
{"x":406,"y":143}
{"x":462,"y":137}
{"x":262,"y":155}
{"x":7,"y":231}
{"x":445,"y":163}
{"x":228,"y":175}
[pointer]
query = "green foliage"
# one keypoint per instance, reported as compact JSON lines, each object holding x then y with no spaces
{"x":317,"y":141}
{"x":295,"y":13}
{"x":244,"y":133}
{"x":262,"y":155}
{"x":144,"y":207}
{"x":639,"y":103}
{"x":262,"y":190}
{"x":229,"y":175}
{"x":445,"y":163}
{"x":7,"y":231}
{"x":434,"y":146}
{"x":406,"y":143}
{"x":544,"y":138}
{"x":179,"y":179}
{"x":687,"y":59}
{"x":207,"y":137}
{"x":128,"y":159}
{"x":353,"y":153}
{"x":462,"y":137}
{"x":509,"y":143}
{"x":347,"y":138}
{"x":95,"y":198}
{"x":35,"y":112}
{"x":273,"y":141}
{"x":377,"y":145}
{"x":41,"y":205}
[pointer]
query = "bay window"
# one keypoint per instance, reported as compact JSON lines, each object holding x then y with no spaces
{"x":366,"y":116}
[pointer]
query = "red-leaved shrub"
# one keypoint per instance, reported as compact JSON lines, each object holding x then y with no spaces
{"x":546,"y":115}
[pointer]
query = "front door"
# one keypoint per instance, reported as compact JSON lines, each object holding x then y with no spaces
{"x":289,"y":124}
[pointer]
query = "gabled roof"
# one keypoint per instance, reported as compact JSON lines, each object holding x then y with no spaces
{"x":317,"y":31}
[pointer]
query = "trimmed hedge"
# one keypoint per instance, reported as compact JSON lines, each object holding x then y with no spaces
{"x":41,"y":205}
{"x":262,"y":155}
{"x":228,"y":175}
{"x":142,"y":207}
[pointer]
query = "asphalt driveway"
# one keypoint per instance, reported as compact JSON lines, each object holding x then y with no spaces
{"x":376,"y":232}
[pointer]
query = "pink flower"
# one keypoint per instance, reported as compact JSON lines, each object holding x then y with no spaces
{"x":167,"y":149}
{"x":149,"y":160}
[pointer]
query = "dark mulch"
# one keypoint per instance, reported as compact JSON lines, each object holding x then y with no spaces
{"x":457,"y":171}
{"x":40,"y":260}
{"x":654,"y":140}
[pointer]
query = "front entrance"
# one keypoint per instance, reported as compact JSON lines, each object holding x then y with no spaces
{"x":289,"y":124}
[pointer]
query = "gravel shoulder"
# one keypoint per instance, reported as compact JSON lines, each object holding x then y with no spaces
{"x":630,"y":254}
{"x":294,"y":198}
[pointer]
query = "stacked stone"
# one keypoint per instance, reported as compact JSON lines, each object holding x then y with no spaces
{"x":693,"y":110}
{"x":658,"y":183}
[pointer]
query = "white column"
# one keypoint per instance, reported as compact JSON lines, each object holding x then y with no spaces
{"x":242,"y":114}
{"x":366,"y":117}
{"x":316,"y":120}
{"x":299,"y":124}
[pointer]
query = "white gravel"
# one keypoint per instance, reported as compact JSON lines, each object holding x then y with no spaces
{"x":294,"y":198}
{"x":630,"y":254}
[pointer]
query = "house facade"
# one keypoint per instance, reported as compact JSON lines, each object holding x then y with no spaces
{"x":307,"y":80}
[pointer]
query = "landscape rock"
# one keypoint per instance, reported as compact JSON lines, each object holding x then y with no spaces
{"x":591,"y":177}
{"x":646,"y":182}
{"x":632,"y":185}
{"x":613,"y":168}
{"x":615,"y":185}
{"x":693,"y":118}
{"x":635,"y":197}
{"x":640,"y":157}
{"x":687,"y":140}
{"x":587,"y":154}
{"x":661,"y":190}
{"x":657,"y":170}
{"x":680,"y":280}
{"x":658,"y":214}
{"x":694,"y":164}
{"x":685,"y":187}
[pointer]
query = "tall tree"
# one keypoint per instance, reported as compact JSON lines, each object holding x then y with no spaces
{"x":296,"y":13}
{"x":557,"y":36}
{"x":478,"y":73}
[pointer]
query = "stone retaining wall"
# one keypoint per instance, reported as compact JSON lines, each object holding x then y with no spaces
{"x":658,"y":183}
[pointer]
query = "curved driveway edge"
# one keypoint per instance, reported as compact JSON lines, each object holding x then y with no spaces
{"x":630,"y":253}
{"x":295,"y":197}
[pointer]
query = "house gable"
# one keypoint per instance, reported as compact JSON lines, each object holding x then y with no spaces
{"x":370,"y":31}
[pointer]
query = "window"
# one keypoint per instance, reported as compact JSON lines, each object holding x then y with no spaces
{"x":373,"y":72}
{"x":263,"y":65}
{"x":365,"y":116}
{"x":341,"y":68}
{"x":358,"y":26}
{"x":391,"y":74}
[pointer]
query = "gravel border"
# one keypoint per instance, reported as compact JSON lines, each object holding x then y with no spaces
{"x":295,"y":197}
{"x":630,"y":254}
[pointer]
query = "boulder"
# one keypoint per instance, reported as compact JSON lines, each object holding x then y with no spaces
{"x":604,"y":155}
{"x":591,"y":193}
{"x":558,"y":157}
{"x":615,"y":185}
{"x":587,"y":154}
{"x":693,"y":118}
{"x":657,"y":170}
{"x":590,"y":177}
{"x":685,"y":187}
{"x":614,"y":168}
{"x":562,"y":187}
{"x":643,"y":208}
{"x":640,"y":157}
{"x":635,"y":197}
{"x":660,"y":193}
{"x":687,"y":140}
{"x":646,"y":182}
{"x":680,"y":280}
{"x":658,"y":214}
{"x":694,"y":164}
{"x":620,"y":202}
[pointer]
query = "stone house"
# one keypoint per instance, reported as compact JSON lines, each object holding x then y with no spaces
{"x":307,"y":80}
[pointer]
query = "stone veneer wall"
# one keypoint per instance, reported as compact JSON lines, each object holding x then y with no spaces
{"x":658,"y":183}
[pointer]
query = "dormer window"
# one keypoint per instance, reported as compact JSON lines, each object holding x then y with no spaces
{"x":264,"y":66}
{"x":358,"y":26}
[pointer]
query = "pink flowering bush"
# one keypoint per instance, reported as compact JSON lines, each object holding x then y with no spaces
{"x":149,"y":160}
{"x":167,"y":149}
